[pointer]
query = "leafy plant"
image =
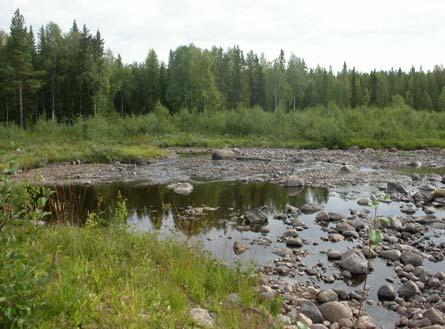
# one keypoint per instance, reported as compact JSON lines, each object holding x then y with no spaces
{"x":375,"y":237}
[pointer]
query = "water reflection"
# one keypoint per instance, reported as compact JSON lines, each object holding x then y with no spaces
{"x":157,"y":203}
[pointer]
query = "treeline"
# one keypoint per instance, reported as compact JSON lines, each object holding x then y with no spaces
{"x":61,"y":76}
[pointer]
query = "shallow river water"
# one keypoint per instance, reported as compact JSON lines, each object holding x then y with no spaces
{"x":151,"y":208}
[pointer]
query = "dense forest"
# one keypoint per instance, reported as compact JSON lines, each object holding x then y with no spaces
{"x":60,"y":76}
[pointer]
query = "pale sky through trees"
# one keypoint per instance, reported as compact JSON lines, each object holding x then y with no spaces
{"x":366,"y":34}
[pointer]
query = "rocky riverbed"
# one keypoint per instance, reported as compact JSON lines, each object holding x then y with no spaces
{"x":303,"y":217}
{"x":321,"y":167}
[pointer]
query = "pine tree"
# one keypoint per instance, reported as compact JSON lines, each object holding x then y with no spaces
{"x":19,"y":72}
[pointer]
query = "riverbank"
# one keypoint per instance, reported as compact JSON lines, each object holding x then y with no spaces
{"x":105,"y":139}
{"x":64,"y":276}
{"x":319,"y":167}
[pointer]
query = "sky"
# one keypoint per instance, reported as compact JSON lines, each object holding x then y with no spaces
{"x":367,"y":34}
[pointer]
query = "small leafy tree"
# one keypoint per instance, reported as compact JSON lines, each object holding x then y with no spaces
{"x":374,"y":238}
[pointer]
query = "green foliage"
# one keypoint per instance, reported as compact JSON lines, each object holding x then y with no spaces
{"x":375,"y":237}
{"x":108,"y":277}
{"x":67,"y":75}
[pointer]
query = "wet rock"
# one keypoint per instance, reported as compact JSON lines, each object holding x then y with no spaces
{"x":334,"y":255}
{"x":409,"y":257}
{"x":354,"y":261}
{"x":348,"y":169}
{"x":294,"y":181}
{"x":396,"y":223}
{"x":336,"y":216}
{"x":392,"y":254}
{"x":183,"y":188}
{"x":304,"y":319}
{"x":434,"y":315}
{"x":310,"y":208}
{"x":294,"y":242}
{"x":408,"y":290}
{"x":223,"y":154}
{"x":346,"y":323}
{"x":335,"y":237}
{"x":363,"y":202}
{"x":238,"y":247}
{"x":255,"y":218}
{"x":283,"y":252}
{"x":291,"y":209}
{"x":343,"y":227}
{"x":425,"y":220}
{"x":335,"y":311}
{"x":312,"y":312}
{"x":408,"y":209}
{"x":327,"y":296}
{"x":323,"y":216}
{"x":386,"y":292}
{"x":415,"y":164}
{"x":318,"y":326}
{"x":202,"y":318}
{"x":284,"y":319}
{"x":397,"y":187}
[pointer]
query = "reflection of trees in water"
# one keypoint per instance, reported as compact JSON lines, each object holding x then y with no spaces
{"x":152,"y":201}
{"x":300,"y":196}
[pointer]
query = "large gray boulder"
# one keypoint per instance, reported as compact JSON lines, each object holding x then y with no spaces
{"x":223,"y":154}
{"x":409,"y":257}
{"x":408,"y":290}
{"x":392,"y":254}
{"x":354,"y":261}
{"x":335,"y":311}
{"x":386,"y":292}
{"x":310,"y":208}
{"x":398,"y":187}
{"x":255,"y":217}
{"x":294,"y":181}
{"x":202,"y":318}
{"x":312,"y":312}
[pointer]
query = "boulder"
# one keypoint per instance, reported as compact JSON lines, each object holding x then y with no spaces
{"x":335,"y":311}
{"x":408,"y":290}
{"x":294,"y":242}
{"x":409,"y":257}
{"x":392,"y":254}
{"x":434,"y":315}
{"x":323,"y":216}
{"x":334,"y":255}
{"x":312,"y":312}
{"x":223,"y":154}
{"x":310,"y":208}
{"x":354,"y":261}
{"x":202,"y":318}
{"x":294,"y":181}
{"x":327,"y":296}
{"x":336,"y":216}
{"x":255,"y":218}
{"x":397,"y":187}
{"x":238,"y":247}
{"x":364,"y":202}
{"x":183,"y":188}
{"x":386,"y":292}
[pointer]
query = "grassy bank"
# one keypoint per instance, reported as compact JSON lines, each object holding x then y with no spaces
{"x":109,"y":138}
{"x":70,"y":277}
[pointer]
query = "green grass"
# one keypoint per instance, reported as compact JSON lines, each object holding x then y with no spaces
{"x":109,"y":138}
{"x":65,"y":277}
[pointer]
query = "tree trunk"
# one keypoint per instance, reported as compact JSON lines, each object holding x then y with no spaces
{"x":122,"y":105}
{"x":294,"y":103}
{"x":7,"y":112}
{"x":21,"y":104}
{"x":276,"y":99}
{"x":53,"y":111}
